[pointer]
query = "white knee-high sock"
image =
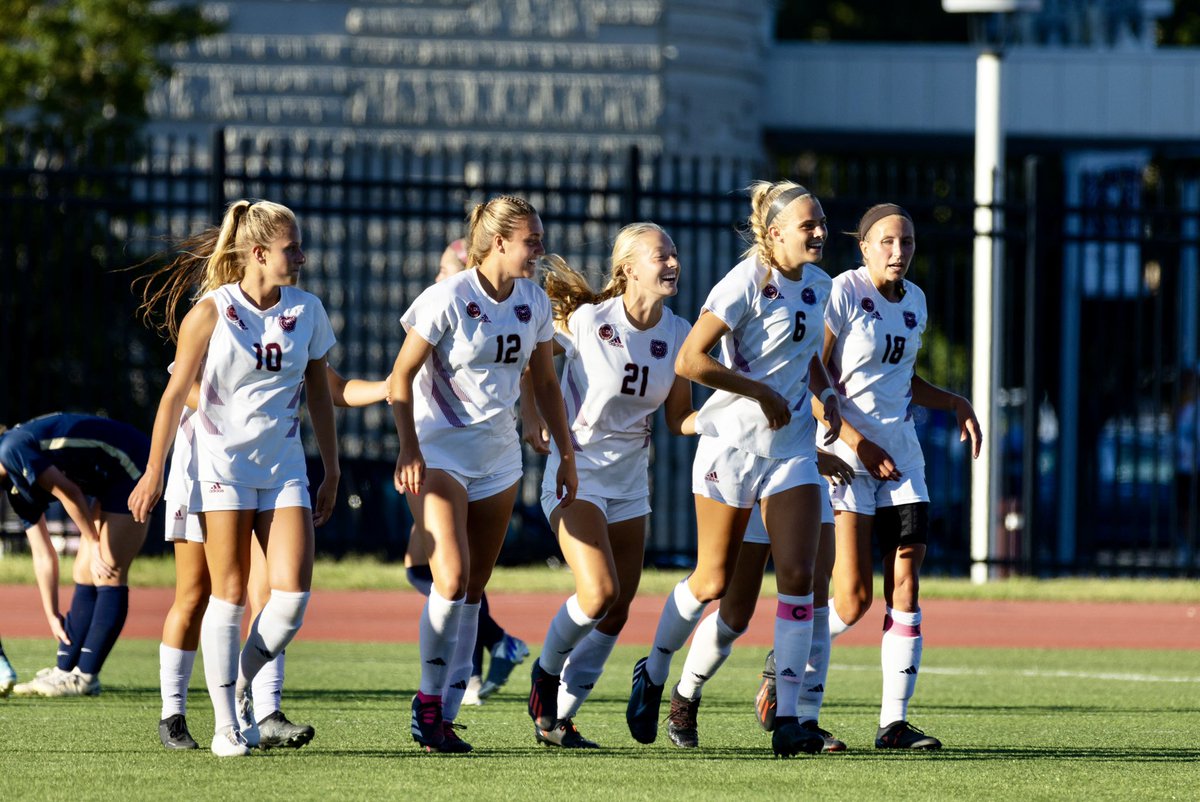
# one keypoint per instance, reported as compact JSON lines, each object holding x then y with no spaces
{"x":268,"y":686}
{"x":220,"y":636}
{"x":710,"y":648}
{"x":273,"y":630}
{"x":582,"y":670}
{"x":812,"y":690}
{"x":569,"y":626}
{"x":174,"y":674}
{"x":679,"y":617}
{"x":461,"y":666}
{"x":438,"y":636}
{"x":836,"y":625}
{"x":793,"y":641}
{"x":900,"y":656}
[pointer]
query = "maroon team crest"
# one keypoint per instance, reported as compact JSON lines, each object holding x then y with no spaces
{"x":287,"y":322}
{"x":658,"y":349}
{"x":808,"y":296}
{"x":868,"y":305}
{"x":523,"y":312}
{"x":232,"y":314}
{"x":473,"y":310}
{"x":606,"y":332}
{"x":910,"y":319}
{"x":770,"y":292}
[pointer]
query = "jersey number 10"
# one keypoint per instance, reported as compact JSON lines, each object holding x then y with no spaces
{"x":270,"y":357}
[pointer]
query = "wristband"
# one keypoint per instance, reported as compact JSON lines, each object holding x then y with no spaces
{"x":826,"y":394}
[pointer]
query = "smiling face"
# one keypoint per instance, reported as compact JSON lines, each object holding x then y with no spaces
{"x":888,"y":249}
{"x":280,"y":261}
{"x":799,"y":232}
{"x":654,"y":269}
{"x":519,"y":253}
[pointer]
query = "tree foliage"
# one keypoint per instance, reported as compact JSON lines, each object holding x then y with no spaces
{"x":82,"y":68}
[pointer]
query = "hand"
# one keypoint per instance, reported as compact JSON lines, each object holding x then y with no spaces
{"x":59,"y":629}
{"x":145,"y":495}
{"x":387,"y":383}
{"x":968,"y":425}
{"x":833,"y":419}
{"x":775,"y":407}
{"x":102,"y":568}
{"x":566,"y":483}
{"x":878,"y":462}
{"x":835,"y":468}
{"x":534,"y":432}
{"x":325,"y":501}
{"x":410,"y":471}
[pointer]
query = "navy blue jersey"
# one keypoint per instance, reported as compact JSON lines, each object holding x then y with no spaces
{"x":104,"y":457}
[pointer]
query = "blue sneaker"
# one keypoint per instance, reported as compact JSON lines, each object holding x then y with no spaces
{"x":506,"y":654}
{"x":644,"y":700}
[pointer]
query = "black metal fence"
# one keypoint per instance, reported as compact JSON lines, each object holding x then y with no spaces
{"x":375,"y":221}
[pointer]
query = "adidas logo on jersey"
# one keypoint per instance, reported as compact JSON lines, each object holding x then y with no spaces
{"x":609,"y":334}
{"x":178,"y":515}
{"x":215,"y":487}
{"x":711,"y":476}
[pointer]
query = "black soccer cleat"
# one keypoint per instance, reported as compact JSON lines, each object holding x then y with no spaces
{"x":543,"y":697}
{"x":831,"y":744}
{"x":681,"y":721}
{"x":275,"y":730}
{"x":564,"y":734}
{"x":902,"y":735}
{"x":451,"y":743}
{"x":427,"y":723}
{"x":645,"y":698}
{"x":173,"y":733}
{"x":789,"y":738}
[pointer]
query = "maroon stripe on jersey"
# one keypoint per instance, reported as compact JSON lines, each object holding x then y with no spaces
{"x":739,"y":361}
{"x":439,"y":395}
{"x":212,"y":394}
{"x":295,"y":427}
{"x":209,"y":426}
{"x":575,"y":443}
{"x":296,"y":398}
{"x":188,"y":428}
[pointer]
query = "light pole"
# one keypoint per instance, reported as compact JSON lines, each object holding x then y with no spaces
{"x":988,"y":257}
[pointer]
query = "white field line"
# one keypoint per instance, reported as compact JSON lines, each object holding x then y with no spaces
{"x":1035,"y":673}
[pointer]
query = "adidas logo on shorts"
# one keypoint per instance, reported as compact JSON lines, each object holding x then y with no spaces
{"x":216,"y":488}
{"x":711,"y":476}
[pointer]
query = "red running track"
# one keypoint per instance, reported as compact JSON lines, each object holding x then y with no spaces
{"x":392,"y":616}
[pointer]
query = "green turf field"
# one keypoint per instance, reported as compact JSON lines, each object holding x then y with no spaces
{"x":366,"y":573}
{"x":1018,"y":724}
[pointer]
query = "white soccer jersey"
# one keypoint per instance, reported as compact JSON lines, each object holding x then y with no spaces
{"x":248,"y":423}
{"x":465,"y":392}
{"x":775,"y":328}
{"x":615,"y":378}
{"x":873,"y":360}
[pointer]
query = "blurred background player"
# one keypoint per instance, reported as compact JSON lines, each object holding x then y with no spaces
{"x":506,"y":651}
{"x":71,"y":459}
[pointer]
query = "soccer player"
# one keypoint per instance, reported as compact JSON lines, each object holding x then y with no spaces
{"x":620,"y":345}
{"x":255,"y":342}
{"x":181,"y":629}
{"x":756,"y":444}
{"x":468,"y":340}
{"x":506,"y":650}
{"x":873,"y":329}
{"x":71,"y":459}
{"x":715,"y":636}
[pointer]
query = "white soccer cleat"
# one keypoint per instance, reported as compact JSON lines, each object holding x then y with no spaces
{"x":247,"y":724}
{"x":76,"y":683}
{"x":228,"y":742}
{"x":47,"y":682}
{"x":471,"y":695}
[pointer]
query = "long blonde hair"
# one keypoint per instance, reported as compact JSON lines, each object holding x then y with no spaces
{"x":214,"y":257}
{"x":569,"y":289}
{"x":497,"y":217}
{"x":764,"y":195}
